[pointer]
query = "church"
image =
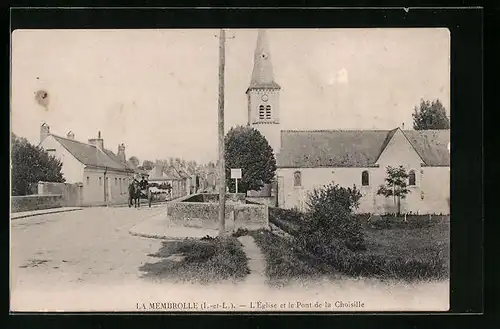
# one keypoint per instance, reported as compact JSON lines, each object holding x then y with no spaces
{"x":307,"y":159}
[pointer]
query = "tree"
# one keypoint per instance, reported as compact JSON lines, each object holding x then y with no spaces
{"x":134,"y":161}
{"x":395,"y":185}
{"x":248,"y":149}
{"x":330,"y":222}
{"x":430,"y":115}
{"x":147,"y":165}
{"x":31,"y":164}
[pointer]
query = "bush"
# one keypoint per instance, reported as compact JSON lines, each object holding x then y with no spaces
{"x":240,"y":232}
{"x":348,"y":198}
{"x":289,"y":215}
{"x":330,"y":222}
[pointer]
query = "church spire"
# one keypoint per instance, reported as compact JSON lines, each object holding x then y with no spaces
{"x":262,"y":74}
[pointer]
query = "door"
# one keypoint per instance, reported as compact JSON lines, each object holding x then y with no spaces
{"x":281,"y":192}
{"x":106,"y":191}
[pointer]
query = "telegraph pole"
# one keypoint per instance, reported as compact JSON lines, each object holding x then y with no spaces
{"x":222,"y":165}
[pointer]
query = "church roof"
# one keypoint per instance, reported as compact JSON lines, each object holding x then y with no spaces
{"x":263,"y":73}
{"x":90,"y":155}
{"x":355,"y":148}
{"x":431,"y":145}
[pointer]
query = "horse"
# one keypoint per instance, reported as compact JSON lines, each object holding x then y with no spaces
{"x":134,"y":194}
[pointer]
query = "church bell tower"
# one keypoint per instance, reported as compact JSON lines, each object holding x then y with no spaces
{"x":263,"y":95}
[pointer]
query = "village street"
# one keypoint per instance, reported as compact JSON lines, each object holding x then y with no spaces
{"x":91,"y":245}
{"x":88,"y":261}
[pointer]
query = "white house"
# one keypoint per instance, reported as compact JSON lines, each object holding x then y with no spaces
{"x":169,"y":176}
{"x":104,"y":176}
{"x":310,"y":159}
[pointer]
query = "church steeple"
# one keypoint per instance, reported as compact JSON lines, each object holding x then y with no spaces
{"x":263,"y":73}
{"x":263,"y":95}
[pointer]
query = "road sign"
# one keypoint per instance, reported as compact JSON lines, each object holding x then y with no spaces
{"x":236,"y":173}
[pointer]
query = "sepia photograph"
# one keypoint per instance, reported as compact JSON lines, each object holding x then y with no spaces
{"x":230,"y":170}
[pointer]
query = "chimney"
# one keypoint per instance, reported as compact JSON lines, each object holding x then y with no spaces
{"x":121,"y":153}
{"x":403,"y":126}
{"x":98,"y":142}
{"x":44,"y":131}
{"x":70,"y":135}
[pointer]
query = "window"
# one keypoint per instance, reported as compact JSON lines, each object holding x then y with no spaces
{"x":120,"y":184}
{"x":365,"y":178}
{"x":88,"y":180}
{"x":100,"y":181}
{"x":261,"y":112}
{"x":268,"y":112}
{"x":411,"y":178}
{"x":297,"y":179}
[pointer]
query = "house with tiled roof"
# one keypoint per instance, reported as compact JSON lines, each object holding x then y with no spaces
{"x":313,"y":158}
{"x":169,"y":175}
{"x":104,"y":175}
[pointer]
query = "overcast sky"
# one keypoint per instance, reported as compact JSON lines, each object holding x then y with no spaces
{"x":157,"y":90}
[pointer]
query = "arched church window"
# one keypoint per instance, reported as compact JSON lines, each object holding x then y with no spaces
{"x":261,"y":112}
{"x":297,"y":179}
{"x":411,"y":178}
{"x":365,"y":178}
{"x":268,"y":112}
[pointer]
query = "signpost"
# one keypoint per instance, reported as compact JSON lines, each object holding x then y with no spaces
{"x":236,"y":174}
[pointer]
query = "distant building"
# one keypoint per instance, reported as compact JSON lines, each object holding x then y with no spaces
{"x":104,"y":176}
{"x":169,"y":176}
{"x":310,"y":159}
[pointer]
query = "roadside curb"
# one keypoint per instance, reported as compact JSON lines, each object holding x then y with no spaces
{"x":13,"y":217}
{"x":149,"y":227}
{"x":156,"y":236}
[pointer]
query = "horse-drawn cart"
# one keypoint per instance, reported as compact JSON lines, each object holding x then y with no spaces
{"x":150,"y":193}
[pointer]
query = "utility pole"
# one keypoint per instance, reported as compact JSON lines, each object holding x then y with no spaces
{"x":222,"y":165}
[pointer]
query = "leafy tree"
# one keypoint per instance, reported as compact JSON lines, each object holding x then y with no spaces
{"x":31,"y":164}
{"x":430,"y":115}
{"x":134,"y":161}
{"x":147,"y":165}
{"x":248,"y":149}
{"x":330,"y":221}
{"x":395,"y":185}
{"x":348,"y":198}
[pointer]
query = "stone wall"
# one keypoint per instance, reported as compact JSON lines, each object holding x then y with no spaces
{"x":214,"y":198}
{"x":36,"y":202}
{"x":268,"y":201}
{"x":206,"y":215}
{"x":72,"y":194}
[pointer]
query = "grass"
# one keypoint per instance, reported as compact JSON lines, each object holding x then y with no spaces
{"x":411,"y":251}
{"x":422,"y":243}
{"x":286,"y":262}
{"x":202,"y":261}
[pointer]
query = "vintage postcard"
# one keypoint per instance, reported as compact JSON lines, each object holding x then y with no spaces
{"x":234,"y":170}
